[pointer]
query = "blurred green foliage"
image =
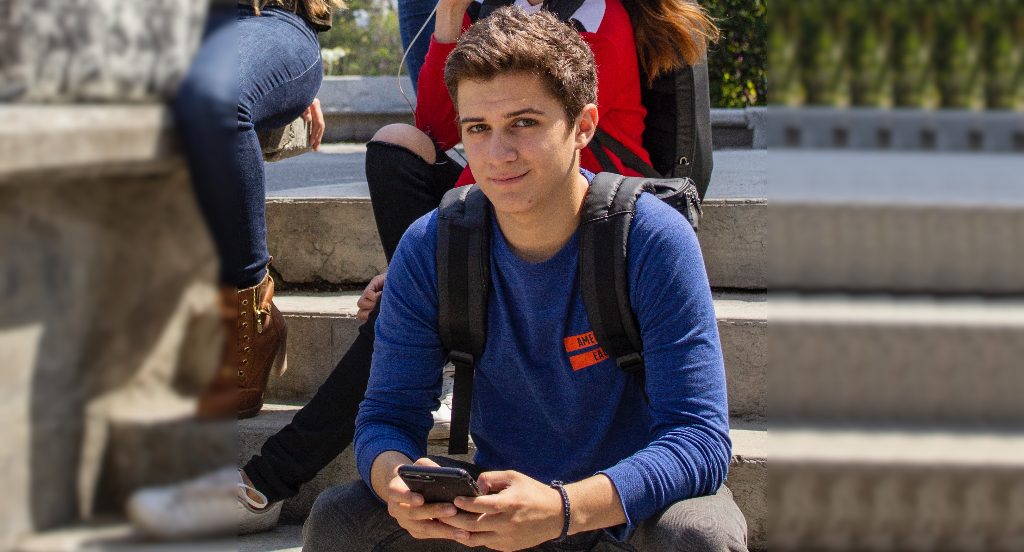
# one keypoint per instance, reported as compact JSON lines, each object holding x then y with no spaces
{"x":738,"y":63}
{"x":898,"y":53}
{"x":363,"y":40}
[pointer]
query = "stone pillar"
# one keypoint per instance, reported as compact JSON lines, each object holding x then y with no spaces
{"x":107,"y":287}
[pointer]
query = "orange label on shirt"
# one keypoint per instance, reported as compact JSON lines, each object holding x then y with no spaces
{"x":577,"y":342}
{"x":588,"y":358}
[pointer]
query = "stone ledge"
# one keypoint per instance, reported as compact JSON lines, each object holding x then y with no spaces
{"x":84,"y":139}
{"x":335,"y":240}
{"x":900,"y":129}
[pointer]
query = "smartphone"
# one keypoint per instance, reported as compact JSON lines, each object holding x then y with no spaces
{"x":438,"y":484}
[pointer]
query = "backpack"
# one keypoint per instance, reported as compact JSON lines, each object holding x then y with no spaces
{"x":463,"y":276}
{"x":677,"y":128}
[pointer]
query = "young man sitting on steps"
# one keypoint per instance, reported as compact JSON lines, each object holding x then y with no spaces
{"x":643,"y":468}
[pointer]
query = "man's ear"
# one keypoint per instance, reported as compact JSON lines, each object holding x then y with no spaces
{"x":586,"y":126}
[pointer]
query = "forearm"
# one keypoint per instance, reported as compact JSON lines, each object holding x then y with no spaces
{"x":594,"y":504}
{"x":384,"y":470}
{"x":448,"y":22}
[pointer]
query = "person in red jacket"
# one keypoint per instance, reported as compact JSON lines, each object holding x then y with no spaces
{"x":401,"y":194}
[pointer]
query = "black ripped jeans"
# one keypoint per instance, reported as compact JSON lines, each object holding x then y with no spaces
{"x":403,"y":187}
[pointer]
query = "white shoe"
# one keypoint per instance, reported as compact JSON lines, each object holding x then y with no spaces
{"x":443,"y":415}
{"x":198,"y":508}
{"x":255,"y":516}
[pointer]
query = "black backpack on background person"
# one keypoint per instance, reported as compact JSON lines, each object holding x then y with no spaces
{"x":464,"y":278}
{"x":677,"y":128}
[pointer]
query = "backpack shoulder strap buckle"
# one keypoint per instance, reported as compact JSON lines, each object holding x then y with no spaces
{"x":461,"y":358}
{"x":630,"y":363}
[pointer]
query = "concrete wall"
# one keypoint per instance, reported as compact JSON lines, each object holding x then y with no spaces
{"x":107,"y":270}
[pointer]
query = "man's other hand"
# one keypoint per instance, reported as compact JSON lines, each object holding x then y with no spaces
{"x":370,"y":296}
{"x":315,"y":115}
{"x":522,"y":513}
{"x":419,"y":519}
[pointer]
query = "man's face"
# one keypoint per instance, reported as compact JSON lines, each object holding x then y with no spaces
{"x":518,"y":141}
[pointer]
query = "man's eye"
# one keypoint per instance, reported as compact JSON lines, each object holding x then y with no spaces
{"x":525,"y":122}
{"x":476,"y":128}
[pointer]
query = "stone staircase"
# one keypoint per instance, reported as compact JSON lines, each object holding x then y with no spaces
{"x":332,"y":241}
{"x":896,"y":350}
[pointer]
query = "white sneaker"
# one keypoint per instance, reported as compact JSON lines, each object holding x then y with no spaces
{"x":198,"y":508}
{"x":443,"y":415}
{"x":255,"y":516}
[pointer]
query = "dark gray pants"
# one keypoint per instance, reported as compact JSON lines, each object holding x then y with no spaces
{"x":350,"y":518}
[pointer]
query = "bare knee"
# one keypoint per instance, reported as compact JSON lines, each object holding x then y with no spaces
{"x":409,"y":137}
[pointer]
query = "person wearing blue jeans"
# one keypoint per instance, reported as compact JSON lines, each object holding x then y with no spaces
{"x":412,"y":14}
{"x":258,"y":68}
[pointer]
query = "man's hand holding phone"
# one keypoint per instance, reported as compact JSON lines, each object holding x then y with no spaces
{"x":414,"y":514}
{"x":521,"y":512}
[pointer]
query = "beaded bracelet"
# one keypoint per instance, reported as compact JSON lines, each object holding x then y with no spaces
{"x":557,"y":485}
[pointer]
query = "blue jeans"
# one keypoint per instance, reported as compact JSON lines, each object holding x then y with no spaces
{"x":411,"y":16}
{"x":252,"y":73}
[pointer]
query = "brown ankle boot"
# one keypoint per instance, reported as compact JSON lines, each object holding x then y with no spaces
{"x":258,"y":333}
{"x":262,"y":335}
{"x":220,"y":398}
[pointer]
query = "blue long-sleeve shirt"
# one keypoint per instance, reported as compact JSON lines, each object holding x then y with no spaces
{"x":546,"y":401}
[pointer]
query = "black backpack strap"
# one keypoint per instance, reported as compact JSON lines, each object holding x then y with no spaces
{"x":463,"y":279}
{"x":602,"y":157}
{"x":628,"y":158}
{"x":489,"y":6}
{"x":604,"y":283}
{"x":563,"y":9}
{"x":693,"y":126}
{"x":474,"y":11}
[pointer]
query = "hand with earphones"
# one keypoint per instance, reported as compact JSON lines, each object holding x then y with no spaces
{"x":448,"y":25}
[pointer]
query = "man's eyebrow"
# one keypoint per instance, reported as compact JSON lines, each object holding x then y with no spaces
{"x":524,"y":111}
{"x":528,"y":110}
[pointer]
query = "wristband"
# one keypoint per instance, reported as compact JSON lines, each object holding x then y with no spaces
{"x":557,"y":485}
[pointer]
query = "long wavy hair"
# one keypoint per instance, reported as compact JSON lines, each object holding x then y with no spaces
{"x":669,"y":33}
{"x":315,"y":8}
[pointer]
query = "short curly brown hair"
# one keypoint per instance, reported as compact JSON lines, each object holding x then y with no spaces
{"x":512,"y":41}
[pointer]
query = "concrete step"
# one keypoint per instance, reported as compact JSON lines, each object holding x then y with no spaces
{"x":884,"y":359}
{"x":114,"y":534}
{"x":854,"y":489}
{"x":320,"y":225}
{"x":321,"y":327}
{"x":335,"y":240}
{"x":748,"y":474}
{"x":909,"y":222}
{"x":283,"y":538}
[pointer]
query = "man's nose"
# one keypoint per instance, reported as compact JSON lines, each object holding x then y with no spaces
{"x":502,"y":148}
